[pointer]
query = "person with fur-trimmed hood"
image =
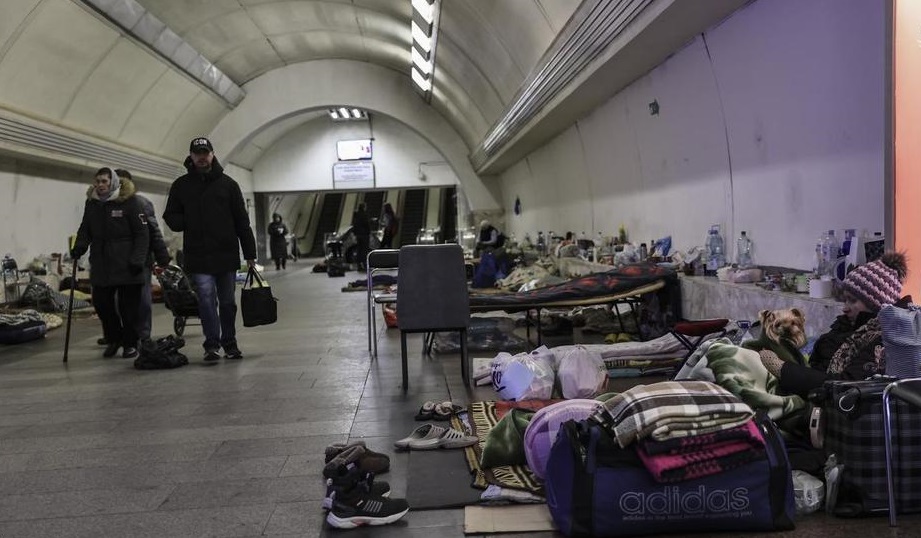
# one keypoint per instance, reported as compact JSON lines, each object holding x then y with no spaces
{"x":853,"y":348}
{"x":114,"y":230}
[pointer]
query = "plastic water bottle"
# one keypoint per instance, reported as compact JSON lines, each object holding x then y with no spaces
{"x":829,"y":253}
{"x":716,"y":257}
{"x":744,"y":251}
{"x":541,"y":243}
{"x":644,"y":252}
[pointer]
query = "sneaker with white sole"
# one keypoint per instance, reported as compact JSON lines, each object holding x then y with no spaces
{"x":212,"y":355}
{"x":358,"y":508}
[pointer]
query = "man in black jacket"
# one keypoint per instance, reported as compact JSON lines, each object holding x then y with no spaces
{"x":158,"y":253}
{"x":207,"y":206}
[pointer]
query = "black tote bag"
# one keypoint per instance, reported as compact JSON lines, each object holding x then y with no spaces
{"x":257,"y":305}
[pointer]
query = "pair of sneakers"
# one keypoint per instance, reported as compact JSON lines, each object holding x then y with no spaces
{"x":230,"y":352}
{"x":355,"y":499}
{"x":112,"y":349}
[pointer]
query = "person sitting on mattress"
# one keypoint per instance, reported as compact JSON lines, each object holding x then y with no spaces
{"x":852,"y":349}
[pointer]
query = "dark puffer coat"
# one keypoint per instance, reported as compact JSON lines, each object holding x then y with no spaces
{"x":210,"y":211}
{"x":115,"y":232}
{"x":278,"y":244}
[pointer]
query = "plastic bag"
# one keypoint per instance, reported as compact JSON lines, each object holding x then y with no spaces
{"x":525,"y":376}
{"x":581,"y":372}
{"x":808,"y":492}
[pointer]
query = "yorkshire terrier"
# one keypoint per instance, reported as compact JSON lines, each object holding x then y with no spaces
{"x":783,"y":332}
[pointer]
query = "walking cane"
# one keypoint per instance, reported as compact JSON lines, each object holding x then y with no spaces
{"x":70,"y":307}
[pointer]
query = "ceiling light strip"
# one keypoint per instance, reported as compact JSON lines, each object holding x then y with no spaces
{"x":424,"y":44}
{"x":596,"y":24}
{"x":136,"y":21}
{"x":566,"y":66}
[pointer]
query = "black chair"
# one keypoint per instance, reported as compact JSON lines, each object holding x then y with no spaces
{"x":432,"y":296}
{"x":908,"y":391}
{"x":379,"y":261}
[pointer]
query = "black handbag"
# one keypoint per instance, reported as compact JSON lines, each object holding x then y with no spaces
{"x":257,"y":305}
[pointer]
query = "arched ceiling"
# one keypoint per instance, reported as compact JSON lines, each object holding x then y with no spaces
{"x":69,"y":71}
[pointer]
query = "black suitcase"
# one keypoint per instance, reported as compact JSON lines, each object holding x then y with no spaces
{"x":853,"y":422}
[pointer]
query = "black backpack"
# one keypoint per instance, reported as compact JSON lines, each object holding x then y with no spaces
{"x":160,"y":354}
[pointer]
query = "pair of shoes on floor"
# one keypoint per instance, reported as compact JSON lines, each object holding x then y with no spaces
{"x":232,"y":352}
{"x":432,"y":410}
{"x":357,"y":453}
{"x":354,"y":499}
{"x":431,"y":437}
{"x":346,"y":477}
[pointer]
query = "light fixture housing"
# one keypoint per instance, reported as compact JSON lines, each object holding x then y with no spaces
{"x":424,"y":31}
{"x":344,"y":113}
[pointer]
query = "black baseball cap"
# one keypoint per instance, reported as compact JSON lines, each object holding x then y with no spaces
{"x":200,"y":144}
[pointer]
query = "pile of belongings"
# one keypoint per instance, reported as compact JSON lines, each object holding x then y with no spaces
{"x":660,"y":356}
{"x":160,"y":354}
{"x":22,"y":327}
{"x":684,"y":430}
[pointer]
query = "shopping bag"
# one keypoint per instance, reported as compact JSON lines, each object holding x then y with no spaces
{"x":257,"y":305}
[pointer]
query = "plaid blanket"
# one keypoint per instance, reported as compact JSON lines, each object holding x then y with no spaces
{"x":672,"y":409}
{"x":685,"y":458}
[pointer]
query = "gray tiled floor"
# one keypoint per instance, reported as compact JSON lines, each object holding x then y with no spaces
{"x":95,"y":448}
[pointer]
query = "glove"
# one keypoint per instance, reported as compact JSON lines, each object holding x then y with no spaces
{"x":771,"y":362}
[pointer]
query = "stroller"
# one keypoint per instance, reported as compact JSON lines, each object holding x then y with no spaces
{"x":179,"y":296}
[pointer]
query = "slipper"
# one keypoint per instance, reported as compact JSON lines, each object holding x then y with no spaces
{"x":445,"y":410}
{"x":421,"y":433}
{"x":427,"y":411}
{"x":439,"y":437}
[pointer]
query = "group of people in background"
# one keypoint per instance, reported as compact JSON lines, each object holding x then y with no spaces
{"x":120,"y":230}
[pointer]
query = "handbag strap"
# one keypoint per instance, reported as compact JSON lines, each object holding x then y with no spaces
{"x":253,"y":276}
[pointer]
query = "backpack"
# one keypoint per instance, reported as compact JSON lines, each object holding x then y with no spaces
{"x":160,"y":354}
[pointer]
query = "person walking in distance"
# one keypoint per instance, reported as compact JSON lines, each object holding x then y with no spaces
{"x":389,"y":225}
{"x":157,"y":253}
{"x":207,"y":206}
{"x":278,"y":242}
{"x":361,"y":227}
{"x":114,"y":230}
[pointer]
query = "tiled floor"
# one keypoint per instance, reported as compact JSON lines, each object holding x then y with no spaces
{"x":95,"y":448}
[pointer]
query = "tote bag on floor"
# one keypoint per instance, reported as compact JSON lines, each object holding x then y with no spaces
{"x":257,"y":305}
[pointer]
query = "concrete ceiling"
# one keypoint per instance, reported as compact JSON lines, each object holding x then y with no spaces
{"x":66,"y":66}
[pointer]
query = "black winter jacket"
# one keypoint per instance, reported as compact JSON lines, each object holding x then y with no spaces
{"x":115,"y":232}
{"x":158,"y":251}
{"x":210,"y":212}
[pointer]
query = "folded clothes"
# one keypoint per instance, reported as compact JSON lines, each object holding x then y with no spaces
{"x":675,"y":468}
{"x":748,"y":434}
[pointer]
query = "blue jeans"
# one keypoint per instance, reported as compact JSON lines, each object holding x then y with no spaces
{"x":217,"y":308}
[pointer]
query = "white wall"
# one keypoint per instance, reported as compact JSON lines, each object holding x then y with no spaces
{"x":779,"y":134}
{"x":42,"y":206}
{"x":303,"y":159}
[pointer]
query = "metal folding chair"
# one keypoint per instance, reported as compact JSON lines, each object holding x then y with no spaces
{"x":379,"y":261}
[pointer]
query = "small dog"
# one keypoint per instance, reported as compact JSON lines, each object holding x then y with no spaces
{"x":783,"y":332}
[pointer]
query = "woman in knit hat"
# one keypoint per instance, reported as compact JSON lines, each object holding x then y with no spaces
{"x":853,"y":348}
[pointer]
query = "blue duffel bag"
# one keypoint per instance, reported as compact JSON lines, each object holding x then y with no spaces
{"x":596,"y":488}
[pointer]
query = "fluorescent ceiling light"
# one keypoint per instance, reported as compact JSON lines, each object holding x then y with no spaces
{"x":423,"y":83}
{"x":334,"y":114}
{"x":344,"y":112}
{"x":425,"y":66}
{"x":356,"y":113}
{"x":419,"y":36}
{"x":425,"y":9}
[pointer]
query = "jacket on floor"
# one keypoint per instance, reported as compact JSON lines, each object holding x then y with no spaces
{"x":115,"y":232}
{"x":210,"y":212}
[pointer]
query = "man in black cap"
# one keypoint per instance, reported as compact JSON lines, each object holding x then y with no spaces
{"x":208,"y":207}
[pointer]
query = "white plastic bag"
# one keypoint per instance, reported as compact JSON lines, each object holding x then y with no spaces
{"x":581,"y":372}
{"x":525,"y":376}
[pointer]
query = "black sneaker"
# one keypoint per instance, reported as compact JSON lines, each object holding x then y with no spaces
{"x":358,"y":508}
{"x":111,"y":350}
{"x":102,"y":341}
{"x":130,"y":353}
{"x":212,"y":355}
{"x":232,"y":352}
